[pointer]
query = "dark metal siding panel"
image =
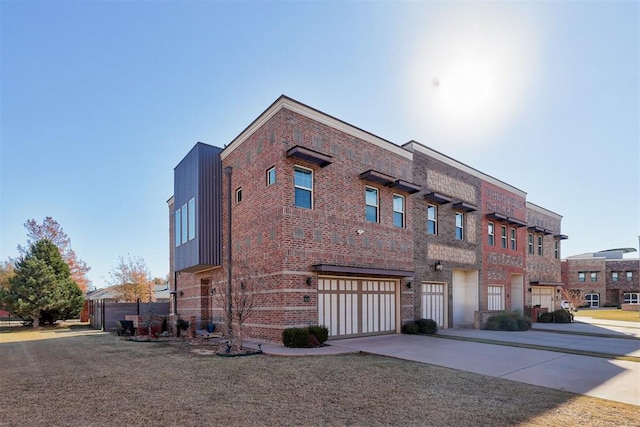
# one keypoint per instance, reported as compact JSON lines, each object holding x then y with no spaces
{"x":199,"y":175}
{"x":210,"y":209}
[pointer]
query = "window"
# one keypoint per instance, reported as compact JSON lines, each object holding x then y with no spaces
{"x":459,"y":226}
{"x":176,"y":227}
{"x":593,"y":300}
{"x":632,"y":298}
{"x":398,"y":211}
{"x":192,"y":219}
{"x":371,"y":204}
{"x":503,"y":237}
{"x":271,"y":176}
{"x":540,"y":245}
{"x":303,"y":183}
{"x":629,"y":276}
{"x":185,"y":224}
{"x":432,"y":219}
{"x":490,"y":236}
{"x":556,"y":250}
{"x":594,"y":276}
{"x":514,"y":244}
{"x":581,"y":276}
{"x":239,"y":195}
{"x":530,"y":243}
{"x":614,"y":276}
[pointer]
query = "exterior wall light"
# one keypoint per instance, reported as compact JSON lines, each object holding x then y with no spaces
{"x":438,"y":266}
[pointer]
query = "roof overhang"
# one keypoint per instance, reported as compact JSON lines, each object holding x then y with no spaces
{"x":368,"y":271}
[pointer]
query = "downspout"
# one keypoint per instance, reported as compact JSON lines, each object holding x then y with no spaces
{"x":228,"y":170}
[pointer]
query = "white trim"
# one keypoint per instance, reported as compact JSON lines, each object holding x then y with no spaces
{"x":534,"y":207}
{"x":296,"y":107}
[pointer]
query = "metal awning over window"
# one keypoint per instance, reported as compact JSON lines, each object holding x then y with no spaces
{"x":465,"y":207}
{"x":328,"y":268}
{"x":309,"y":155}
{"x":438,"y":198}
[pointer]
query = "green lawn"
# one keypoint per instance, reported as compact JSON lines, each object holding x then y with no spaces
{"x":609,"y":314}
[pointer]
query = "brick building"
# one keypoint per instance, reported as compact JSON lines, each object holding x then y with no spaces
{"x":604,"y":278}
{"x":329,"y":224}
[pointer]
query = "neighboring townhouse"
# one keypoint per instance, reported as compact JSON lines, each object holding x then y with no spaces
{"x":603,"y":278}
{"x":543,"y":270}
{"x":330,"y":224}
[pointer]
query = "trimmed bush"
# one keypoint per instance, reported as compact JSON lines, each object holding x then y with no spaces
{"x":427,"y":326}
{"x":508,"y":322}
{"x":545,"y":318}
{"x":410,"y":328}
{"x":295,"y":337}
{"x":562,"y":316}
{"x":320,"y":332}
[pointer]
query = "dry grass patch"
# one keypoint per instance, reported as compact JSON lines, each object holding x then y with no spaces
{"x":613,"y":314}
{"x":104,"y":380}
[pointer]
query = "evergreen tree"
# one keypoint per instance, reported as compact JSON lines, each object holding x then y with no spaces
{"x":42,"y":288}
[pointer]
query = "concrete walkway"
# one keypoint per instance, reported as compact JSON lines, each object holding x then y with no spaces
{"x":606,"y":378}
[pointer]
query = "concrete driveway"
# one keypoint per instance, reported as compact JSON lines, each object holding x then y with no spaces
{"x":611,"y":379}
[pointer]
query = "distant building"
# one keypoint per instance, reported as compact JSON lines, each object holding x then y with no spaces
{"x":337,"y":226}
{"x":604,"y":278}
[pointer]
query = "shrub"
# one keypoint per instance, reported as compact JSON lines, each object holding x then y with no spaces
{"x":182,"y":324}
{"x":410,"y":328}
{"x":508,"y":322}
{"x":427,"y":326}
{"x":320,"y":332}
{"x":562,"y":316}
{"x":545,"y":318}
{"x":295,"y":337}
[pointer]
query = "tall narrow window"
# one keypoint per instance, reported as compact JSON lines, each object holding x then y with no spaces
{"x":432,"y":219}
{"x":185,"y":224}
{"x":614,"y":276}
{"x":530,"y":243}
{"x":239,"y":195}
{"x":271,"y":176}
{"x":556,"y":250}
{"x":192,"y":219}
{"x":177,"y":227}
{"x":398,"y":210}
{"x":629,"y":276}
{"x":540,"y":245}
{"x":594,"y":276}
{"x":514,"y":243}
{"x":581,"y":276}
{"x":371,"y":204}
{"x":459,"y":226}
{"x":490,"y":234}
{"x":503,"y":236}
{"x":303,"y":183}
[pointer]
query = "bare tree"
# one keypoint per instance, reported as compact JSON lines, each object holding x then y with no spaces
{"x":244,"y":300}
{"x":133,"y":279}
{"x":51,"y":230}
{"x":573,"y":296}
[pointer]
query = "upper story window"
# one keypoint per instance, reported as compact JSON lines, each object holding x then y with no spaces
{"x":614,"y":276}
{"x":185,"y":222}
{"x":398,"y":210}
{"x":490,"y":237}
{"x":503,"y":237}
{"x":238,"y":195}
{"x":530,"y":243}
{"x":271,"y":176}
{"x":594,"y":276}
{"x":556,"y":249}
{"x":303,"y":184}
{"x":459,"y":226}
{"x":540,"y":246}
{"x":432,"y":219}
{"x":581,"y":276}
{"x":514,"y":243}
{"x":629,"y":276}
{"x":371,"y":204}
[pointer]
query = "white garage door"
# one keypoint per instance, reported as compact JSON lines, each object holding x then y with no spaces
{"x":357,"y":306}
{"x":433,"y":303}
{"x":542,"y":296}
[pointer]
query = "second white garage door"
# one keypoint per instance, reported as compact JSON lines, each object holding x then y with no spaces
{"x":349,"y":306}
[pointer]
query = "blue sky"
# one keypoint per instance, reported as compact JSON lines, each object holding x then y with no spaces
{"x":100,"y":101}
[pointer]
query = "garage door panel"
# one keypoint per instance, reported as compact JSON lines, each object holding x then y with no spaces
{"x":356,"y":307}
